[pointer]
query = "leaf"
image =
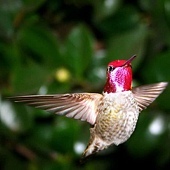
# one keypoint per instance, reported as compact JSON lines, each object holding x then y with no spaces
{"x":105,"y":8}
{"x":40,"y":44}
{"x":125,"y":19}
{"x":65,"y":134}
{"x":40,"y":137}
{"x":28,"y":79}
{"x":127,"y":44}
{"x":6,"y":27}
{"x":156,"y":70}
{"x":78,"y":50}
{"x":148,"y":135}
{"x":33,"y":5}
{"x":15,"y":117}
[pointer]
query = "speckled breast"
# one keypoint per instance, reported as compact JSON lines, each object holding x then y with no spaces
{"x":118,"y":114}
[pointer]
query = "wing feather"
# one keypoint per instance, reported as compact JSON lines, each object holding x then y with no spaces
{"x":81,"y":106}
{"x":145,"y":95}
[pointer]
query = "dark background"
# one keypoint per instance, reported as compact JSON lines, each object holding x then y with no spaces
{"x":63,"y":46}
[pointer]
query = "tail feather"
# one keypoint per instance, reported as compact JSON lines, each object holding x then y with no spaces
{"x":95,"y":145}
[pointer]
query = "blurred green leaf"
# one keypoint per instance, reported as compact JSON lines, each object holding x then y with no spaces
{"x":6,"y":25}
{"x":161,"y":20}
{"x":28,"y":79}
{"x":146,"y":5}
{"x":9,"y":160}
{"x":10,"y":6}
{"x":128,"y":44}
{"x":15,"y":117}
{"x":147,"y":137}
{"x":10,"y":56}
{"x":124,"y":20}
{"x":66,"y":131}
{"x":53,"y":165}
{"x":155,"y":69}
{"x":8,"y":61}
{"x":33,"y":5}
{"x":167,"y":11}
{"x":162,"y":101}
{"x":105,"y":8}
{"x":56,"y":87}
{"x":41,"y":44}
{"x":96,"y":73}
{"x":79,"y":50}
{"x":41,"y":137}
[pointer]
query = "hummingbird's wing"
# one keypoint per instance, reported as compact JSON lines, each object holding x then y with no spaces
{"x":82,"y":106}
{"x":145,"y":95}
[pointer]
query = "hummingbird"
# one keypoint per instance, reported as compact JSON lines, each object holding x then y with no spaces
{"x":112,"y":115}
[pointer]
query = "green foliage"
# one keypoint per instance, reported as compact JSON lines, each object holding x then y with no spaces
{"x":78,"y":50}
{"x":64,"y":47}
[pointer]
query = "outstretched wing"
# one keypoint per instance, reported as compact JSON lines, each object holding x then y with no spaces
{"x":145,"y":95}
{"x":82,"y":106}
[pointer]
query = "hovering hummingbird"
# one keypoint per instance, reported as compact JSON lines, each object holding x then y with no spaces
{"x":112,"y":114}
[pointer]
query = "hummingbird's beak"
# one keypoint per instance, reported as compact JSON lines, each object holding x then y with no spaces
{"x":129,"y":60}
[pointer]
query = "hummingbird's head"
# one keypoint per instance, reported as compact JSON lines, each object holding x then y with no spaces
{"x":119,"y":76}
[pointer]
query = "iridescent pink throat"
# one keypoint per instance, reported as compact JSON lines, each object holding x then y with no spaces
{"x":119,"y":80}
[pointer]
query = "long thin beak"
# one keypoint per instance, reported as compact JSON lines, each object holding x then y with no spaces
{"x":129,"y":60}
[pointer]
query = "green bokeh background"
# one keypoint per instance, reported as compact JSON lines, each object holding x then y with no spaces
{"x":63,"y":46}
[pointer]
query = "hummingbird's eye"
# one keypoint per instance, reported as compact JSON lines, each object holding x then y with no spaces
{"x":110,"y":68}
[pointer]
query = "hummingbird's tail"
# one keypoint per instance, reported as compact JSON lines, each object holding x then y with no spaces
{"x":95,"y":145}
